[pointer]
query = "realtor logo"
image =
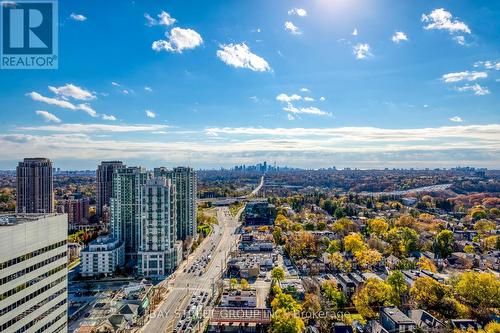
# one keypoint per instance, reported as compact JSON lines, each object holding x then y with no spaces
{"x":29,"y":34}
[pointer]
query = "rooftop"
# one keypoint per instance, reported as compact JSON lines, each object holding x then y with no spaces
{"x":18,"y":218}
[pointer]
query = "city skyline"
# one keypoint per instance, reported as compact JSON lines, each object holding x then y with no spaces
{"x":306,"y":84}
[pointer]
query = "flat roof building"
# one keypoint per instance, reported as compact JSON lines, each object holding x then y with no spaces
{"x":33,"y":273}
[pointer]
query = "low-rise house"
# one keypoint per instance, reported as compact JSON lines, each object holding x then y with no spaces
{"x":394,"y":320}
{"x":464,"y":324}
{"x":426,"y":321}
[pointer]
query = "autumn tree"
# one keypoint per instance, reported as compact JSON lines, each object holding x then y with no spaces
{"x":428,"y":293}
{"x":377,"y":227}
{"x":286,"y":302}
{"x":286,"y":322}
{"x":354,"y":243}
{"x":426,"y":264}
{"x":367,"y":258}
{"x":333,"y":294}
{"x":478,"y":290}
{"x":374,"y":294}
{"x":278,"y":274}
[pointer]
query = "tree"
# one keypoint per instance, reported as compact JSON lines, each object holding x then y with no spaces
{"x":278,"y":274}
{"x":277,"y":234}
{"x":443,"y":244}
{"x":332,"y":293}
{"x":374,"y":294}
{"x":286,"y":322}
{"x":338,"y":263}
{"x":233,"y":282}
{"x":398,"y":284}
{"x":428,"y":293}
{"x":311,"y":303}
{"x":286,"y":302}
{"x":426,"y":264}
{"x":244,"y":284}
{"x":405,"y":221}
{"x":402,"y":240}
{"x":343,"y":226}
{"x":367,"y":258}
{"x":333,"y":246}
{"x":484,"y":226}
{"x":490,"y":242}
{"x":469,"y":249}
{"x":354,"y":243}
{"x":377,"y":227}
{"x":478,"y":290}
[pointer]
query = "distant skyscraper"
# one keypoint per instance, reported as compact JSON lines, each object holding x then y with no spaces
{"x":35,"y":186}
{"x":104,"y":177}
{"x":158,"y":251}
{"x":33,"y":273}
{"x":184,"y":179}
{"x":125,"y":207}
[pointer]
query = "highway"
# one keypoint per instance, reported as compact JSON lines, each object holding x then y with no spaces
{"x":187,"y":281}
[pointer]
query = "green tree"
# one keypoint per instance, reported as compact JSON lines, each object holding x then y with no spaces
{"x":428,"y":293}
{"x":443,"y":244}
{"x":286,"y":302}
{"x":478,"y":290}
{"x":332,"y":293}
{"x":398,"y":284}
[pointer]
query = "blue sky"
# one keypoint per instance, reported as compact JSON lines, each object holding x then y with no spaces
{"x":316,"y":83}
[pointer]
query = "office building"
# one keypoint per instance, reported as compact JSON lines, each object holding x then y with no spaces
{"x":158,"y":250}
{"x":184,"y":179}
{"x":104,"y":175}
{"x":102,"y":256}
{"x":126,"y":208}
{"x":34,"y":186}
{"x":33,"y":273}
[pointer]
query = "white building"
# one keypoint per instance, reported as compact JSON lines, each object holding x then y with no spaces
{"x":158,"y":249}
{"x":185,"y":182}
{"x":102,"y":256}
{"x":33,"y":273}
{"x":239,"y":298}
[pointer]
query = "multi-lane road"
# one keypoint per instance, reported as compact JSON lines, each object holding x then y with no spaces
{"x":196,"y":275}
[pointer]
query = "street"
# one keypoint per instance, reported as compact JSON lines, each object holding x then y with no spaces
{"x":187,"y":282}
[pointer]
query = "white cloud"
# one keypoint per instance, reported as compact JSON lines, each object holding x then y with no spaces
{"x":148,"y":89}
{"x":108,"y":117}
{"x":322,"y":99}
{"x":459,"y":39}
{"x":488,"y":64}
{"x":78,"y":17}
{"x":87,"y":108}
{"x":62,"y":103}
{"x":289,"y":26}
{"x":399,"y":36}
{"x":362,"y":51}
{"x":298,"y":11}
{"x":456,"y":119}
{"x":476,"y":88}
{"x":48,"y":116}
{"x":70,"y":90}
{"x":308,"y":99}
{"x":441,"y":19}
{"x":92,"y":128}
{"x":355,"y":32}
{"x":290,"y":117}
{"x":150,"y":114}
{"x":178,"y":40}
{"x":116,"y":84}
{"x":164,"y":19}
{"x":308,"y":110}
{"x":464,"y":76}
{"x":287,"y":99}
{"x":305,"y":90}
{"x":240,"y":56}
